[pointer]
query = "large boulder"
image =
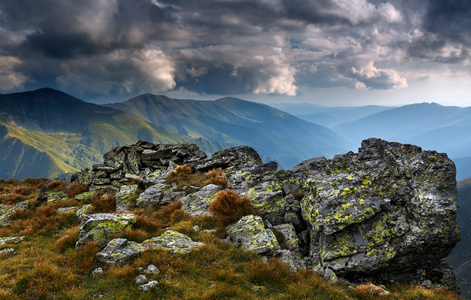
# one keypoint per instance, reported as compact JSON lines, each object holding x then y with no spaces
{"x":382,"y":213}
{"x":101,"y":228}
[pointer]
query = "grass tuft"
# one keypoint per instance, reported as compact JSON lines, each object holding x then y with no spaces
{"x":228,"y":207}
{"x":217,"y":177}
{"x":76,"y":188}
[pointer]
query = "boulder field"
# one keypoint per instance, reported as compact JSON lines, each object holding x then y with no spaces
{"x":384,"y":214}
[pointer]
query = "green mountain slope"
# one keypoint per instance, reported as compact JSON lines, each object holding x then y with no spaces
{"x":460,"y":257}
{"x":67,"y":134}
{"x":273,"y":133}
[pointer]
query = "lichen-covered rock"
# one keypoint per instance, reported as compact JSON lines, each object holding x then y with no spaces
{"x":158,"y":194}
{"x":101,"y":228}
{"x":11,"y":239}
{"x":53,"y":197}
{"x":289,"y":234}
{"x":84,"y":211}
{"x":85,"y":196}
{"x":260,"y":183}
{"x":123,"y":197}
{"x":250,"y":233}
{"x":173,"y":241}
{"x":66,"y":210}
{"x":120,"y":250}
{"x":384,"y":211}
{"x":197,"y":203}
{"x":5,"y":213}
{"x":231,"y":159}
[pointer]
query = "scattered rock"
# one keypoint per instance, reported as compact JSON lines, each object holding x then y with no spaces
{"x":151,"y":269}
{"x":120,"y":250}
{"x":12,"y":239}
{"x":173,"y":241}
{"x":7,"y":251}
{"x":53,"y":197}
{"x":140,"y":279}
{"x":86,"y":196}
{"x":5,"y":213}
{"x":97,"y":271}
{"x":150,"y":285}
{"x":102,"y":227}
{"x":65,"y":210}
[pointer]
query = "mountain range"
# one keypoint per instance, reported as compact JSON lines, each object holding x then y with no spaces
{"x":48,"y":133}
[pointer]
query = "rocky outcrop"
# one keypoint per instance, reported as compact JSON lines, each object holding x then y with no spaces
{"x":386,"y":213}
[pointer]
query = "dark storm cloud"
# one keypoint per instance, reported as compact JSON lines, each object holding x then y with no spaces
{"x":447,"y":32}
{"x":223,"y":46}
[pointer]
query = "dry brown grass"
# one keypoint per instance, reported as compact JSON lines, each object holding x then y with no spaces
{"x":136,"y":235}
{"x":68,"y":238}
{"x":83,"y":258}
{"x":371,"y":289}
{"x":12,"y":198}
{"x":76,"y":188}
{"x":104,"y":203}
{"x":228,"y":207}
{"x":170,"y":213}
{"x":216,"y":176}
{"x":56,"y":186}
{"x":44,"y":281}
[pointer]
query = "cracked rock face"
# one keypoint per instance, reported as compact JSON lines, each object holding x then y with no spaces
{"x":384,"y":211}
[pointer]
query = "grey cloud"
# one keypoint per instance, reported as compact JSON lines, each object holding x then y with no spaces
{"x":224,"y":47}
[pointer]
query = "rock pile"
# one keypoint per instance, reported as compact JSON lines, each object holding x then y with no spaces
{"x":386,"y":213}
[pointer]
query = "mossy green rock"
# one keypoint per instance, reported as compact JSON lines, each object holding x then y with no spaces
{"x":250,"y":233}
{"x":384,"y":211}
{"x":101,"y":228}
{"x":173,"y":241}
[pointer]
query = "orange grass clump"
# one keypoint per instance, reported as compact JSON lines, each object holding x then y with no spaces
{"x":76,"y":188}
{"x":228,"y":207}
{"x":371,"y":289}
{"x":216,"y":176}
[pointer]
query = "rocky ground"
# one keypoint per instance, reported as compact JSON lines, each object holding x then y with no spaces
{"x":385,"y":215}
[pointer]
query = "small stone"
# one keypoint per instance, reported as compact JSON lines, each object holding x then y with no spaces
{"x":151,"y":269}
{"x":97,"y":271}
{"x":196,"y":228}
{"x":257,"y":288}
{"x":140,"y":279}
{"x":148,"y":286}
{"x":7,"y":251}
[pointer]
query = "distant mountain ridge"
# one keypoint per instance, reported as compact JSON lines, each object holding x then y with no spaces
{"x":273,"y":133}
{"x":428,"y":125}
{"x":47,"y":132}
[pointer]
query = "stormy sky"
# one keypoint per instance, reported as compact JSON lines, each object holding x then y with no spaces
{"x":330,"y":52}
